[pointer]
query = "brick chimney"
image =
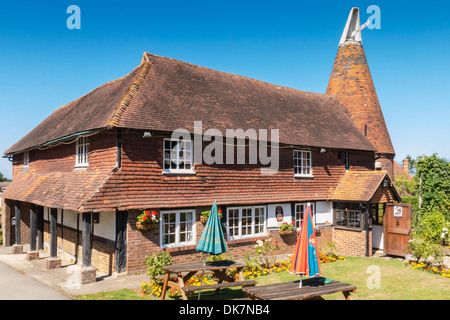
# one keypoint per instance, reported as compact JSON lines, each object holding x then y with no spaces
{"x":406,"y":165}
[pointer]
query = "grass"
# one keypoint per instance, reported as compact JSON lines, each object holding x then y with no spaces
{"x":397,"y":280}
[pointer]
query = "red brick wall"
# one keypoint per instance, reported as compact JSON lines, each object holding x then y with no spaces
{"x":102,"y":154}
{"x":351,"y":242}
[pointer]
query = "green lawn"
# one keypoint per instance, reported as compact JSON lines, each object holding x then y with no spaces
{"x":397,"y":281}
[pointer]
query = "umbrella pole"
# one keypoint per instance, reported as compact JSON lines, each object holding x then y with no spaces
{"x":301,"y":279}
{"x":201,"y":279}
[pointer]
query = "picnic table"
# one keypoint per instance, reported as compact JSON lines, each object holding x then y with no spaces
{"x":181,"y":273}
{"x":312,"y":288}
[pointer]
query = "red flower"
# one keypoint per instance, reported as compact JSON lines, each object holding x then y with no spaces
{"x":154,"y":213}
{"x":144,"y":218}
{"x":220,"y":210}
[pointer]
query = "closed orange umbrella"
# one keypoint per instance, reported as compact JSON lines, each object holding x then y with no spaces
{"x":305,"y":260}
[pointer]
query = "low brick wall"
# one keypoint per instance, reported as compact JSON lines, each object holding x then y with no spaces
{"x":69,"y":241}
{"x":351,"y":242}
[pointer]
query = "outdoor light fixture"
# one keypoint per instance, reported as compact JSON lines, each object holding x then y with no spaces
{"x":323,"y":150}
{"x":147,"y":134}
{"x":386,"y":183}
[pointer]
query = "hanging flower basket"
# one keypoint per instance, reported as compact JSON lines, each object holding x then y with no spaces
{"x":205,"y":215}
{"x":147,"y":220}
{"x":145,"y":226}
{"x":285,"y":232}
{"x":286,"y":229}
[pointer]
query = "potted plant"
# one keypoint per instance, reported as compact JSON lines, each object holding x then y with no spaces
{"x":147,"y":220}
{"x":205,"y":215}
{"x":286,"y":228}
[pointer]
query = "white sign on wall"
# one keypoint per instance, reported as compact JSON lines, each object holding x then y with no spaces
{"x":277,"y":214}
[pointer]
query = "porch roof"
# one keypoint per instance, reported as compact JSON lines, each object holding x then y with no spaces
{"x":56,"y":189}
{"x":365,"y":186}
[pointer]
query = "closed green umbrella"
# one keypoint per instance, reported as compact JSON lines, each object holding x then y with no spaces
{"x":212,"y":240}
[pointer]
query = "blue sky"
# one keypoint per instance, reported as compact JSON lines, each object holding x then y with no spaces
{"x":44,"y":65}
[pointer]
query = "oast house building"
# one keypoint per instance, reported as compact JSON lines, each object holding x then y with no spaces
{"x":84,"y":174}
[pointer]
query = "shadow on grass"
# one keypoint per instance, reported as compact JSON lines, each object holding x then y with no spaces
{"x":224,"y":294}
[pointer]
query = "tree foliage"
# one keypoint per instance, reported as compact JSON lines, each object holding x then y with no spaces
{"x":429,"y":195}
{"x":3,"y":178}
{"x":433,"y":184}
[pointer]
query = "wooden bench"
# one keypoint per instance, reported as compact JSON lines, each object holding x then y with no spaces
{"x":312,"y":288}
{"x":244,"y":283}
{"x":183,"y":272}
{"x":174,"y":276}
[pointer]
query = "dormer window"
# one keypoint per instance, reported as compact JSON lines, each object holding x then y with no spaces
{"x":82,"y":152}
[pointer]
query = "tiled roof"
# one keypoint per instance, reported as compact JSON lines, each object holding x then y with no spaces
{"x":166,"y":94}
{"x":360,"y":186}
{"x":399,"y":172}
{"x":91,"y":111}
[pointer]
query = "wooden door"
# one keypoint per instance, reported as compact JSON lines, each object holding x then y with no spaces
{"x":397,"y":228}
{"x":121,"y":241}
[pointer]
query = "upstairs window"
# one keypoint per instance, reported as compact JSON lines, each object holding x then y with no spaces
{"x":26,"y":159}
{"x":82,"y":152}
{"x":178,"y":156}
{"x":302,"y":163}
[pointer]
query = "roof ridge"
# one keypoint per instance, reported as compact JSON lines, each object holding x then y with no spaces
{"x":131,"y":92}
{"x":148,"y":55}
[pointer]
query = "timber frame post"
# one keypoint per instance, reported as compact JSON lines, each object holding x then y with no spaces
{"x":86,"y":238}
{"x":53,"y":261}
{"x":40,"y":227}
{"x":33,"y":254}
{"x":17,"y":247}
{"x":88,"y":273}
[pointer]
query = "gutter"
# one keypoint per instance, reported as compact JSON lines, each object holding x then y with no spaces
{"x":52,"y":141}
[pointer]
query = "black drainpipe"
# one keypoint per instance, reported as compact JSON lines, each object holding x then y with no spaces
{"x":119,"y":149}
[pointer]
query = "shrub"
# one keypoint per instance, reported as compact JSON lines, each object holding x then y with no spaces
{"x":426,"y":251}
{"x":155,"y":262}
{"x":264,"y":250}
{"x":431,"y":226}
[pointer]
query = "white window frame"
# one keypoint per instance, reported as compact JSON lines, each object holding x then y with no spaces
{"x":26,"y":159}
{"x":82,"y":152}
{"x":188,"y":157}
{"x":239,"y":226}
{"x":298,"y":221}
{"x":302,"y":163}
{"x":177,"y":231}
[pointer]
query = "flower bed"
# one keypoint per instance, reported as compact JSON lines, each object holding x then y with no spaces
{"x":423,"y":266}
